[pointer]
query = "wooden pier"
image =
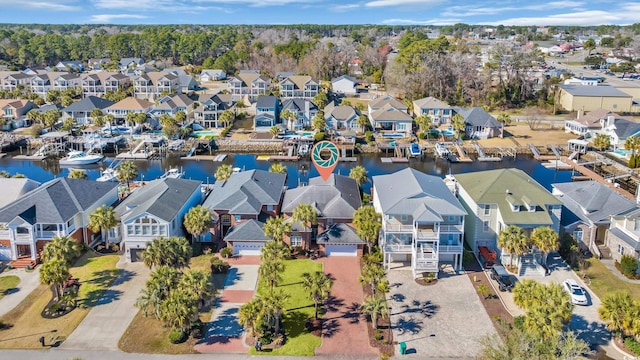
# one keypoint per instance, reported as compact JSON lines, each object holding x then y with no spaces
{"x":590,"y":174}
{"x":462,"y":155}
{"x":284,"y":158}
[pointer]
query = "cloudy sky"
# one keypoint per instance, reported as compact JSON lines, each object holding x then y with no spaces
{"x":390,"y":12}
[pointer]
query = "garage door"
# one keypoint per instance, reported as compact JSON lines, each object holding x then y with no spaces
{"x":136,"y":255}
{"x":341,"y":250}
{"x":247,"y":248}
{"x":5,"y":253}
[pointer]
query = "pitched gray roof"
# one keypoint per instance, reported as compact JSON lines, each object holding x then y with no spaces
{"x":246,"y":192}
{"x":588,"y":90}
{"x":431,"y":103}
{"x":626,"y":238}
{"x":411,"y":192}
{"x":341,"y":112}
{"x":625,"y":128}
{"x":297,"y":104}
{"x":56,"y":201}
{"x":250,"y":230}
{"x":266,"y":101}
{"x":89,"y":103}
{"x":350,"y":78}
{"x":337,"y":198}
{"x":339,"y":233}
{"x":162,"y":198}
{"x":477,"y":116}
{"x":14,"y":188}
{"x":591,"y":201}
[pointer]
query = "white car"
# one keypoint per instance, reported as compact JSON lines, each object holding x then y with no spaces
{"x":577,"y":293}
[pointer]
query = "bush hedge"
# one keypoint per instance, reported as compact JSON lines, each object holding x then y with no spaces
{"x":632,"y":345}
{"x":177,"y":336}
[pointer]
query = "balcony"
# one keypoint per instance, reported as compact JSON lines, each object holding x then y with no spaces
{"x":23,"y":238}
{"x":426,"y":234}
{"x":451,"y":228}
{"x":397,"y":226}
{"x":398,"y":248}
{"x":450,"y":249}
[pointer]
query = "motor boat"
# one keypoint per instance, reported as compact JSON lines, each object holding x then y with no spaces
{"x":108,"y":174}
{"x":80,"y":158}
{"x":172,"y":174}
{"x":441,"y":150}
{"x":415,"y":150}
{"x":303,"y":149}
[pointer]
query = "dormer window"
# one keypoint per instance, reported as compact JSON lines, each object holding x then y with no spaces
{"x":515,"y":208}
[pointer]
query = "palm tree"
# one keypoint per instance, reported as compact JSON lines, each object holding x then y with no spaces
{"x":632,"y":143}
{"x":526,"y":293}
{"x":126,"y":172}
{"x":51,"y":118}
{"x":157,"y":289}
{"x":77,"y":174}
{"x":95,"y":113}
{"x":614,"y":310}
{"x":514,"y":241}
{"x":601,"y":141}
{"x":276,"y":228}
{"x":423,"y":122}
{"x":371,"y":275}
{"x":363,"y":121}
{"x":457,"y":122}
{"x":545,"y":239}
{"x":34,"y":115}
{"x":290,"y":117}
{"x":275,"y":251}
{"x":318,"y":122}
{"x":375,"y":306}
{"x":359,"y":174}
{"x":368,"y":223}
{"x":317,"y":286}
{"x":278,"y":168}
{"x":54,"y":273}
{"x":63,"y":248}
{"x":274,"y":130}
{"x":224,"y":172}
{"x":198,"y":220}
{"x":226,"y":117}
{"x":250,"y":316}
{"x":102,"y":219}
{"x":504,"y":118}
{"x":178,"y":310}
{"x":273,"y":306}
{"x":197,"y":284}
{"x":166,"y":120}
{"x":305,"y":214}
{"x":174,"y":252}
{"x":270,"y":273}
{"x":181,"y":117}
{"x":130,"y":118}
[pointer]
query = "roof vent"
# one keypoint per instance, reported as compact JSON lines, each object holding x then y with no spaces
{"x":508,"y":192}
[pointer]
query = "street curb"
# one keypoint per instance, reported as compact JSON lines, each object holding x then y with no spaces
{"x":626,"y":354}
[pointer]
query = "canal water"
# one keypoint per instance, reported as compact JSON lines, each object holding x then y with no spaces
{"x":298,"y":172}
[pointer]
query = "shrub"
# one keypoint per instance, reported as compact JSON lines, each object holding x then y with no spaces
{"x":226,"y":252}
{"x":632,"y":345}
{"x":218,"y":266}
{"x":518,"y":322}
{"x":319,"y":136}
{"x":369,"y":136}
{"x":484,"y":291}
{"x":177,"y":336}
{"x":378,"y":335}
{"x":629,"y":265}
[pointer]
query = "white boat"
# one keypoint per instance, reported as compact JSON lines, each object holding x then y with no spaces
{"x":172,"y":174}
{"x":80,"y":158}
{"x":303,"y":149}
{"x":415,"y":150}
{"x":441,"y":150}
{"x":236,"y":170}
{"x":108,"y":174}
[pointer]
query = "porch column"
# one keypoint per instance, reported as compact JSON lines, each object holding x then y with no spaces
{"x":14,"y":250}
{"x":34,"y":249}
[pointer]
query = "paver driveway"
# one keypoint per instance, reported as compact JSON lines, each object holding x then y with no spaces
{"x":445,"y":320}
{"x":224,"y":334}
{"x":344,"y":330}
{"x":28,"y":282}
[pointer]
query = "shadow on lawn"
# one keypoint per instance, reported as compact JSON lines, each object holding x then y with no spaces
{"x":294,"y":324}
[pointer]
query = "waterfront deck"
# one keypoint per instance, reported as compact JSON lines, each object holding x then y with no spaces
{"x":594,"y":176}
{"x":143,"y":155}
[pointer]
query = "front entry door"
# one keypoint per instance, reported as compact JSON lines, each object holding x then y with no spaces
{"x":23,"y":250}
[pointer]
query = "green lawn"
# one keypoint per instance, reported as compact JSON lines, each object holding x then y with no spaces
{"x":299,"y":308}
{"x":26,"y":325}
{"x":604,"y":282}
{"x":7,"y":283}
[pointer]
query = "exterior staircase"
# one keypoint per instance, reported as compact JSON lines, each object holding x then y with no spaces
{"x":529,"y":266}
{"x":604,"y":251}
{"x":23,"y":262}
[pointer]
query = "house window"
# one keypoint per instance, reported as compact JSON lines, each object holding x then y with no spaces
{"x":515,"y":208}
{"x":329,"y":222}
{"x":49,"y":227}
{"x":577,"y":234}
{"x":485,"y":226}
{"x":452,"y":218}
{"x":403,"y":217}
{"x":237,"y":218}
{"x":620,"y":249}
{"x":70,"y":223}
{"x":487,"y":210}
{"x":129,"y":229}
{"x":269,"y":207}
{"x":296,"y":241}
{"x":154,"y":230}
{"x":225,"y":219}
{"x":138,"y":230}
{"x":145,"y":230}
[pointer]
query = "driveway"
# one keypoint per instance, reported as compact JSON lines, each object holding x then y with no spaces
{"x":344,"y":331}
{"x":585,"y":321}
{"x":224,"y":334}
{"x":103,"y":327}
{"x":29,"y":281}
{"x":445,"y":320}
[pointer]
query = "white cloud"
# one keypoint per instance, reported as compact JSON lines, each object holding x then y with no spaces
{"x":155,"y":5}
{"x":107,"y":18}
{"x":381,"y":3}
{"x":257,"y":3}
{"x":340,"y":8}
{"x":420,"y":22}
{"x":41,"y":5}
{"x":469,"y":10}
{"x":583,"y":18}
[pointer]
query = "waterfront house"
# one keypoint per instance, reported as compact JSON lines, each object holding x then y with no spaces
{"x":344,"y":84}
{"x":267,"y":113}
{"x":60,"y":207}
{"x":81,"y":110}
{"x":97,"y":84}
{"x":618,"y":129}
{"x":298,"y":86}
{"x":154,"y":210}
{"x":479,"y":124}
{"x":212,"y":75}
{"x":496,"y":199}
{"x":187,"y":84}
{"x":389,"y":114}
{"x":588,"y":207}
{"x":252,"y":194}
{"x":589,"y":98}
{"x":210,"y":109}
{"x":437,"y":110}
{"x":151,"y":85}
{"x":16,"y":80}
{"x":248,"y":83}
{"x":171,"y":105}
{"x":623,"y":236}
{"x":422,"y":221}
{"x":590,"y":122}
{"x":341,"y":117}
{"x":334,"y":201}
{"x":13,"y":110}
{"x":129,"y":105}
{"x":305,"y":110}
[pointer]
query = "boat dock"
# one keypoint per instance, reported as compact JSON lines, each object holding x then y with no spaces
{"x":588,"y":174}
{"x":461,"y":156}
{"x":220,"y":157}
{"x":348,"y":159}
{"x":284,"y":158}
{"x":481,"y":154}
{"x":394,"y":160}
{"x":139,"y":152}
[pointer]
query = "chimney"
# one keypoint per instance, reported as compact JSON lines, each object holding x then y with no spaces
{"x":580,"y":114}
{"x":610,"y":120}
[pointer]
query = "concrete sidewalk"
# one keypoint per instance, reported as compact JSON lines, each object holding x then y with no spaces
{"x":29,"y":281}
{"x":103,"y":327}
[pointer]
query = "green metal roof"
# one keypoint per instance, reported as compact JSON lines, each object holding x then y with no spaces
{"x":505,"y":187}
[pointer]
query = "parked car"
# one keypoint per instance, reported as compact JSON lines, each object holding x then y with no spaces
{"x":577,"y":293}
{"x":500,"y":274}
